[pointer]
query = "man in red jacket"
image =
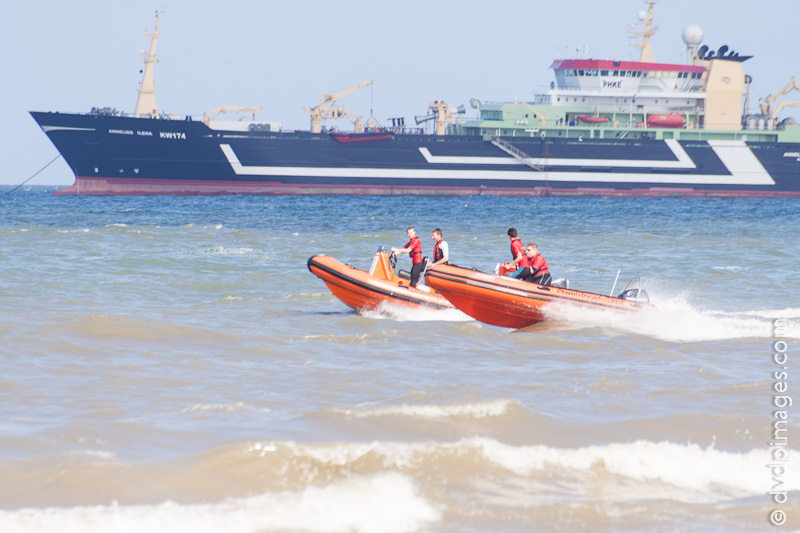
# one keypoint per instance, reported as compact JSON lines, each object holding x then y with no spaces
{"x":413,"y":248}
{"x":533,"y":267}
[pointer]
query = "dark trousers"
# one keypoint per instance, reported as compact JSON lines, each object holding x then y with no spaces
{"x":416,"y":270}
{"x":542,"y":279}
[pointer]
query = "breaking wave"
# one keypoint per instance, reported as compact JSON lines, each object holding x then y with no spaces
{"x":385,"y":502}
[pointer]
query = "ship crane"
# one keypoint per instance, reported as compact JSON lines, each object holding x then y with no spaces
{"x":442,"y":114}
{"x":776,"y":115}
{"x":766,"y":107}
{"x":245,"y":112}
{"x":537,"y":112}
{"x":327,"y":110}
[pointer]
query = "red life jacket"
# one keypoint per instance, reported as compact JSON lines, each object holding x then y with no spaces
{"x":524,"y":262}
{"x":517,"y":248}
{"x":416,"y":250}
{"x":538,"y":265}
{"x":437,"y":254}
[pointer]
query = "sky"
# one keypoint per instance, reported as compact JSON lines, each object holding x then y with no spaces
{"x":284,"y":55}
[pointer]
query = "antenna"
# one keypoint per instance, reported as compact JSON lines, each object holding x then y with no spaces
{"x":615,"y":282}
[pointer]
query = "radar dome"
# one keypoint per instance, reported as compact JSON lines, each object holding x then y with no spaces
{"x":642,"y":15}
{"x":692,"y":35}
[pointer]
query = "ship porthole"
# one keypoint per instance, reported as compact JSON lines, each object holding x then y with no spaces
{"x":96,"y":170}
{"x":135,"y":170}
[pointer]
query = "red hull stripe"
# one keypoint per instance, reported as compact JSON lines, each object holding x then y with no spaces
{"x":143,"y":187}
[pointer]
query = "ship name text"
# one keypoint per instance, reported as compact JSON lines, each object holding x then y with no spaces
{"x":612,"y":84}
{"x":172,"y":135}
{"x":121,"y":132}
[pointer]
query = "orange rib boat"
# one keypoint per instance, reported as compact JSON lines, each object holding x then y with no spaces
{"x":368,"y":290}
{"x":511,"y":303}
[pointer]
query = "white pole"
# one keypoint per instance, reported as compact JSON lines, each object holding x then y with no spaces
{"x":615,"y":282}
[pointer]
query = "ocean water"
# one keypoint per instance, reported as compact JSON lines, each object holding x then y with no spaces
{"x":169,"y":364}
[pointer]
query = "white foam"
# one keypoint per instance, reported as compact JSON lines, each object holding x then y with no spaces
{"x":385,"y":502}
{"x":675,"y":319}
{"x":681,"y":472}
{"x":401,"y":313}
{"x":466,"y":410}
{"x":684,"y":466}
{"x":222,"y":407}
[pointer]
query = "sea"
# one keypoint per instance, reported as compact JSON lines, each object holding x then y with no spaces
{"x":169,"y":364}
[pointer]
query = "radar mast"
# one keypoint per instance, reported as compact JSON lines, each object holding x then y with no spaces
{"x":647,"y":18}
{"x":146,"y":102}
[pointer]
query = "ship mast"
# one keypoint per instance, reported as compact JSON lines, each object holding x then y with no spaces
{"x":647,"y":52}
{"x":146,"y":102}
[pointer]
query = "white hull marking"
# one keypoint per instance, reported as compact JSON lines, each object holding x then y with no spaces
{"x":682,"y":160}
{"x":744,"y":168}
{"x":69,"y":128}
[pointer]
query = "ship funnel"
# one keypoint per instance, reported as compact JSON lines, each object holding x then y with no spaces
{"x":424,"y":118}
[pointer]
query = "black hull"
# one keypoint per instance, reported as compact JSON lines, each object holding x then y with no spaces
{"x":118,"y":155}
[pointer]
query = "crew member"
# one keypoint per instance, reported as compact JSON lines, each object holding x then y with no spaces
{"x":441,"y":251}
{"x":534,"y":267}
{"x":413,"y":248}
{"x":517,"y":250}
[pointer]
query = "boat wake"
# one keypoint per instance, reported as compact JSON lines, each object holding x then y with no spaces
{"x":401,"y":313}
{"x":676,"y":319}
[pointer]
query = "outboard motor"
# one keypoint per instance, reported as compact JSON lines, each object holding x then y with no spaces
{"x":638,"y":296}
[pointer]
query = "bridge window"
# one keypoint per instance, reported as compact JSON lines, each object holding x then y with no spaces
{"x":604,"y":73}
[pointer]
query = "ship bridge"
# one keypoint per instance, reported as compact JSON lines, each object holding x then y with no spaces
{"x":624,"y":86}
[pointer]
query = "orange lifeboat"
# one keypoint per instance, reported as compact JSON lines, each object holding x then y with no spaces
{"x":511,"y":303}
{"x":665,"y":120}
{"x":594,"y":119}
{"x":368,"y":290}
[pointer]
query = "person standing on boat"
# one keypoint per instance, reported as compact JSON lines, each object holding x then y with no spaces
{"x":517,"y":250}
{"x":533,"y":267}
{"x":413,"y":248}
{"x":441,"y":251}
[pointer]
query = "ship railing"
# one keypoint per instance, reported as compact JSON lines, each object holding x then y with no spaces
{"x":515,"y":152}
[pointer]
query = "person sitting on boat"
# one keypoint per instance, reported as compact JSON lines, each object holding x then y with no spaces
{"x":533,"y":267}
{"x":413,"y":248}
{"x":441,"y":251}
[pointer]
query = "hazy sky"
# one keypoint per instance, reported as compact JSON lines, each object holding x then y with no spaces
{"x":283,"y":55}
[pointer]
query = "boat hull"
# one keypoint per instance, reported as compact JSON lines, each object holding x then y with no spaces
{"x":510,"y":303}
{"x":362,"y":291}
{"x":112,"y":155}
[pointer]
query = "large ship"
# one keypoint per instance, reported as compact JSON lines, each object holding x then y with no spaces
{"x":604,"y":128}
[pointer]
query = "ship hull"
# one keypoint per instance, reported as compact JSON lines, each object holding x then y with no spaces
{"x":112,"y":155}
